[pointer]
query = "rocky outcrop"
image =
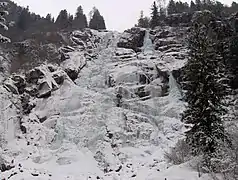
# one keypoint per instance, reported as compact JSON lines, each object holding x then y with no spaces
{"x":203,"y":17}
{"x":132,"y":39}
{"x":85,"y":40}
{"x":182,"y":19}
{"x":26,"y":103}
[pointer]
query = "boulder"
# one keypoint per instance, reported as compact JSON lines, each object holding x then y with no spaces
{"x":27,"y":106}
{"x":9,"y":85}
{"x":19,"y":82}
{"x":164,"y":42}
{"x":31,"y":90}
{"x":142,"y":92}
{"x":82,"y":35}
{"x":123,"y":53}
{"x":132,"y":39}
{"x":64,"y":56}
{"x":163,"y":75}
{"x":44,"y":90}
{"x":51,"y":68}
{"x":177,"y":74}
{"x":34,"y":75}
{"x":66,"y":49}
{"x":72,"y":73}
{"x":59,"y":77}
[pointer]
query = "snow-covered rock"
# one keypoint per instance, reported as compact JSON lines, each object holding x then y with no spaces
{"x":132,"y":39}
{"x":115,"y":121}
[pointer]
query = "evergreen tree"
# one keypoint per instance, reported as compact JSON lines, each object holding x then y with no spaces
{"x":48,"y":18}
{"x":62,"y":20}
{"x":3,"y":13}
{"x":24,"y":19}
{"x":171,"y":9}
{"x":162,"y":10}
{"x":97,"y":21}
{"x":154,"y":16}
{"x":70,"y":21}
{"x":198,"y":5}
{"x":233,"y":61}
{"x":192,"y":7}
{"x":143,"y":22}
{"x":205,"y":94}
{"x":80,"y":20}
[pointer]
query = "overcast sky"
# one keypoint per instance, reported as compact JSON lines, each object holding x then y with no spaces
{"x":119,"y":14}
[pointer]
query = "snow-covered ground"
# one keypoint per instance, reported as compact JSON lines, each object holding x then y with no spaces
{"x":89,"y":132}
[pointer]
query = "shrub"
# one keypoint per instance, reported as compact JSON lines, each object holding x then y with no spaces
{"x":179,"y":154}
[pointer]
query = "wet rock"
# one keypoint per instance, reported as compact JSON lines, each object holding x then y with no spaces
{"x":164,"y":42}
{"x":119,"y":168}
{"x":19,"y":82}
{"x":34,"y":174}
{"x":72,"y":73}
{"x":51,"y":68}
{"x":164,"y":75}
{"x":42,"y":118}
{"x":32,"y":90}
{"x":4,"y":167}
{"x":44,"y":90}
{"x":163,"y":34}
{"x":64,"y":56}
{"x":9,"y":85}
{"x":22,"y":127}
{"x":82,"y":35}
{"x":66,"y":49}
{"x":177,"y":74}
{"x":59,"y":77}
{"x":132,"y":39}
{"x":141,"y":92}
{"x":34,"y":75}
{"x":27,"y":106}
{"x":123,"y":53}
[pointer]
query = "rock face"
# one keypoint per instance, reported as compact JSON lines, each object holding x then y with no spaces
{"x":179,"y":19}
{"x":111,"y":116}
{"x":132,"y":39}
{"x":85,"y":40}
{"x":170,"y":41}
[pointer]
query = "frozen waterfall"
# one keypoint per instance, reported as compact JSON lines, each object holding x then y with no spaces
{"x":148,"y":48}
{"x":174,"y":90}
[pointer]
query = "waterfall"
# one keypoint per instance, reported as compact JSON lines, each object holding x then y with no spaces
{"x":148,"y":47}
{"x":174,"y":90}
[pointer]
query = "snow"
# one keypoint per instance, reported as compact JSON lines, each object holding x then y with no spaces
{"x":86,"y":135}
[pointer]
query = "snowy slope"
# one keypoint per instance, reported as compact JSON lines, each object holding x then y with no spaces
{"x":115,"y":122}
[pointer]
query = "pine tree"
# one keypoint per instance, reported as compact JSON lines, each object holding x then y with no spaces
{"x":3,"y":39}
{"x":154,"y":16}
{"x":48,"y":17}
{"x":205,"y":94}
{"x":62,"y":20}
{"x":24,"y":19}
{"x":97,"y":21}
{"x":162,"y":10}
{"x":143,"y":22}
{"x":80,"y":20}
{"x":198,"y":5}
{"x":192,"y":7}
{"x":70,"y":21}
{"x":171,"y":9}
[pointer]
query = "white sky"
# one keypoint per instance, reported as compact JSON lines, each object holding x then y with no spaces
{"x":118,"y":14}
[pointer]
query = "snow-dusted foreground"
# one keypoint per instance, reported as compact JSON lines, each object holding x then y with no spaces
{"x":114,"y":123}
